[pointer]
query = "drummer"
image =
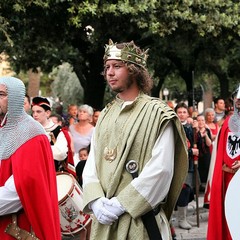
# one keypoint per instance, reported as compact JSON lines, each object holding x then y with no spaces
{"x":59,"y":138}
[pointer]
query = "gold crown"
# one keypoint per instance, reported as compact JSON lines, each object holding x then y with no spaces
{"x":129,"y":53}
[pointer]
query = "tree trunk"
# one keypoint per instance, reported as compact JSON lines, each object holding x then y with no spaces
{"x":34,"y":82}
{"x":207,"y":92}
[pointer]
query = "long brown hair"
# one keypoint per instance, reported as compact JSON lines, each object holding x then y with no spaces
{"x":140,"y":73}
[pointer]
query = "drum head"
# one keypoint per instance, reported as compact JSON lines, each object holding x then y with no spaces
{"x":65,"y":185}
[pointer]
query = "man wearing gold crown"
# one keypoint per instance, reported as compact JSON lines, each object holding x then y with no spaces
{"x":138,"y":158}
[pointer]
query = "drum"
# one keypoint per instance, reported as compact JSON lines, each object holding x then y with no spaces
{"x":72,"y":219}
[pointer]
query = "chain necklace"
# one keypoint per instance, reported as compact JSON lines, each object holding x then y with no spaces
{"x":118,"y":128}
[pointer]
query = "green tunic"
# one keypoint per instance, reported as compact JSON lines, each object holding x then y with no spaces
{"x":128,"y":134}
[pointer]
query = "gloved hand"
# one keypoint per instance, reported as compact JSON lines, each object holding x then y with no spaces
{"x":103,"y":215}
{"x":114,"y":206}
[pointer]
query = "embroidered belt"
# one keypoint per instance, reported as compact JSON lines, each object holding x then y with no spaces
{"x":227,"y":169}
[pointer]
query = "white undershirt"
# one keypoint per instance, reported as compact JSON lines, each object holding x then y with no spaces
{"x":154,"y":181}
{"x":9,"y":199}
{"x":60,"y":147}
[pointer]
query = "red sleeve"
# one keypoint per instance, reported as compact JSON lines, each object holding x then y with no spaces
{"x":70,"y":161}
{"x":35,"y":179}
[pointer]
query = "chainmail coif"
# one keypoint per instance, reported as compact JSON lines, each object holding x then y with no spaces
{"x":19,"y":127}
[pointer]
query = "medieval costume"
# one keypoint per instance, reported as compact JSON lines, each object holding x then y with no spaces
{"x":221,"y":178}
{"x":59,"y":139}
{"x":228,"y":155}
{"x":27,"y":176}
{"x":136,"y":130}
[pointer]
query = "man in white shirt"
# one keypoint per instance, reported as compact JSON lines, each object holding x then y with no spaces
{"x":41,"y":111}
{"x":138,"y":155}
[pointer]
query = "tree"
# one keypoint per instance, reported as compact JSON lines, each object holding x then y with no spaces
{"x":183,"y":36}
{"x":65,"y":81}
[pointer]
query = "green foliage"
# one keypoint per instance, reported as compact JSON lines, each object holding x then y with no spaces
{"x":66,"y":86}
{"x":164,"y":17}
{"x":186,"y":35}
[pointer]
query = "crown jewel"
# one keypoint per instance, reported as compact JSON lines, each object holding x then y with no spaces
{"x":129,"y":53}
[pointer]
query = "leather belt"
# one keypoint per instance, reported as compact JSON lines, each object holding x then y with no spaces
{"x":149,"y":220}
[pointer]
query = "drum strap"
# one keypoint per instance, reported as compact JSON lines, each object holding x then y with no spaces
{"x":149,"y":220}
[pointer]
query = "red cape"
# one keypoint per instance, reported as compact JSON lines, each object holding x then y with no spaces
{"x":32,"y":166}
{"x":217,"y":226}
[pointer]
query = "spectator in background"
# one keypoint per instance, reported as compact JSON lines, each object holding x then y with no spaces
{"x":192,"y":115}
{"x":72,"y":117}
{"x":82,"y":130}
{"x":57,"y":119}
{"x":229,"y":109}
{"x":203,"y":139}
{"x":83,"y":156}
{"x":27,"y":104}
{"x":219,"y":108}
{"x":192,"y":111}
{"x":58,"y":109}
{"x":210,"y":122}
{"x":187,"y":194}
{"x":96,"y":114}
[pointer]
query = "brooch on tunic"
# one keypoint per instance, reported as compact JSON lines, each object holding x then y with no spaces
{"x":110,"y":154}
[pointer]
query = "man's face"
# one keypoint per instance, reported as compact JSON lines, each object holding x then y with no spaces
{"x":27,"y":105}
{"x":40,"y":115}
{"x":220,"y":105}
{"x":95,"y":116}
{"x":182,"y":114}
{"x":117,"y":76}
{"x":3,"y":101}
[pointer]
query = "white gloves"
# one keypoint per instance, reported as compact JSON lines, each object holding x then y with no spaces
{"x":107,"y":211}
{"x":114,"y":206}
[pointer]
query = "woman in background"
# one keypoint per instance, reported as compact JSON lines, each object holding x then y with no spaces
{"x":82,"y":130}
